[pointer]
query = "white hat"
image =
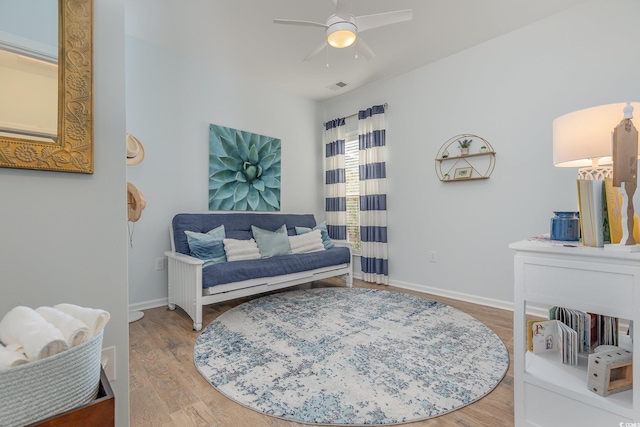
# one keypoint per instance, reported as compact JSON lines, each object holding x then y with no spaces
{"x":135,"y":150}
{"x":136,"y":202}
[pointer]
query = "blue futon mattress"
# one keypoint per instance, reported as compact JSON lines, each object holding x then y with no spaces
{"x":237,"y":271}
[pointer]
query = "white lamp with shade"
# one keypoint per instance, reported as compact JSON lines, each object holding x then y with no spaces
{"x":584,"y":139}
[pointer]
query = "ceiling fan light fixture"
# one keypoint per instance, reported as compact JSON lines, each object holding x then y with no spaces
{"x":341,"y":34}
{"x":341,"y":29}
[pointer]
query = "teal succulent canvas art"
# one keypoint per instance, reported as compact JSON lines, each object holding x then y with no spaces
{"x":244,"y":170}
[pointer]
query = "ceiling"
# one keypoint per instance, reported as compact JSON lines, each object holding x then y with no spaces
{"x":240,"y":36}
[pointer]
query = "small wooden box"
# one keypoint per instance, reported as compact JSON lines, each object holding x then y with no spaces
{"x":610,"y":372}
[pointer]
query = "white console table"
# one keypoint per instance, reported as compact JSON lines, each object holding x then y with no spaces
{"x":547,"y":392}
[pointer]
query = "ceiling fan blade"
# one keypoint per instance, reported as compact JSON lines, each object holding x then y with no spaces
{"x":302,"y":23}
{"x":363,"y":49}
{"x":343,"y":8}
{"x":316,"y":51}
{"x":368,"y":22}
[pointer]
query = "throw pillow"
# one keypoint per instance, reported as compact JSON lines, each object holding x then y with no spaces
{"x":307,"y":242}
{"x":238,"y":250}
{"x":326,"y":240}
{"x":272,"y":243}
{"x":208,"y":247}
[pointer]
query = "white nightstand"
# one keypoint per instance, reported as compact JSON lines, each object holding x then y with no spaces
{"x":547,"y":392}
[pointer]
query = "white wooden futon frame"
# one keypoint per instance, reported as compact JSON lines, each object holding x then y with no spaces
{"x":186,"y":291}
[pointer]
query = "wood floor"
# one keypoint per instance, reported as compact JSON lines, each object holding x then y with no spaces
{"x":167,"y":390}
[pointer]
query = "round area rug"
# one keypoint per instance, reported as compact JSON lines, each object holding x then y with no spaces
{"x":342,"y":356}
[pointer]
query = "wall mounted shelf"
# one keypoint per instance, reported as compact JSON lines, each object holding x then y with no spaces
{"x":477,"y":164}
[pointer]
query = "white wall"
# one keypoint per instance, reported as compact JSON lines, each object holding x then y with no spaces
{"x":64,"y":235}
{"x":171,"y":100}
{"x":507,"y":91}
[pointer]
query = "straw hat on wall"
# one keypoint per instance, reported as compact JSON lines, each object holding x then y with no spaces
{"x":135,"y":199}
{"x":135,"y":150}
{"x":136,"y":202}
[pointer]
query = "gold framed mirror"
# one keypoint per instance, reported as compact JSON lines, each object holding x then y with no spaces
{"x":72,"y":150}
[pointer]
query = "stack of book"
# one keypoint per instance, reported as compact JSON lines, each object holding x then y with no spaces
{"x":600,"y":205}
{"x":592,"y":205}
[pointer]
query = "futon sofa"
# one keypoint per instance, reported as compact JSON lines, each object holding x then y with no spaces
{"x":193,"y":283}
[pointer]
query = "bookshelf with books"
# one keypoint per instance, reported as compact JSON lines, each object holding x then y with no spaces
{"x":578,"y":279}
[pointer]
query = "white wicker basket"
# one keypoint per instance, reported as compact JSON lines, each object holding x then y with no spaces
{"x":40,"y":389}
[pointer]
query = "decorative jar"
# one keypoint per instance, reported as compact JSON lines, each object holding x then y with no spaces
{"x":565,"y":226}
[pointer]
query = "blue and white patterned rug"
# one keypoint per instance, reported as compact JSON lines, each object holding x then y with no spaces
{"x":342,"y":356}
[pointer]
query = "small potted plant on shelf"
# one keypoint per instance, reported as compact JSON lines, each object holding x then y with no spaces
{"x":445,"y":154}
{"x":445,"y":177}
{"x":483,"y":149}
{"x":464,"y":146}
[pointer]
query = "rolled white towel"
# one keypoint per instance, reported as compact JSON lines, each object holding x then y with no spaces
{"x":23,"y":325}
{"x":96,"y":319}
{"x":19,"y":348}
{"x":9,"y":358}
{"x":74,"y":330}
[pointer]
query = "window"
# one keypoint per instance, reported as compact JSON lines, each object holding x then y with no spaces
{"x":352,"y":173}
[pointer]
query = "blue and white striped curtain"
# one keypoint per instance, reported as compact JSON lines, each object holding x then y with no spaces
{"x":335,"y":180}
{"x":373,"y":195}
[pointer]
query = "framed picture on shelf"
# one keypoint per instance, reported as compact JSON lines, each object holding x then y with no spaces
{"x":461,"y":173}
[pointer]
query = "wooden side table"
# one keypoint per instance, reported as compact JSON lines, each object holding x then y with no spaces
{"x":100,"y":412}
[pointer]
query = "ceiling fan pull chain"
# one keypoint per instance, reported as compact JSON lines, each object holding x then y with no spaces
{"x":327,"y":56}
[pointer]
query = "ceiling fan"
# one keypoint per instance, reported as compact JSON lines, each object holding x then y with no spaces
{"x":342,"y":28}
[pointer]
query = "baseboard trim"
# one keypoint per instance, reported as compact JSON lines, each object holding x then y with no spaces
{"x":475,"y":299}
{"x":532,"y":310}
{"x":139,"y":306}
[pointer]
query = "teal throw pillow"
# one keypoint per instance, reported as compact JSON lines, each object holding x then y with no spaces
{"x":326,"y":240}
{"x":208,"y":247}
{"x":272,"y":243}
